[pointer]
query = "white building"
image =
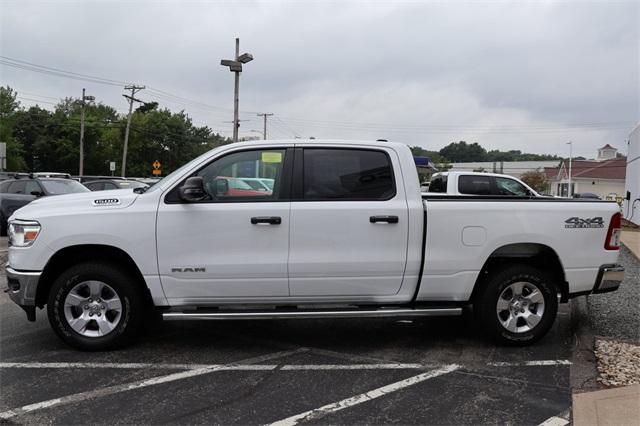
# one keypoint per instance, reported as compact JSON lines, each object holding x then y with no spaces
{"x":607,"y":152}
{"x":631,"y":208}
{"x":604,"y":177}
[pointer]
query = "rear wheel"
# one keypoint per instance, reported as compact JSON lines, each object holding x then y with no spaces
{"x":95,"y":306}
{"x":517,"y":306}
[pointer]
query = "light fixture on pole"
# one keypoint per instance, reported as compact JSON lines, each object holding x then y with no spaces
{"x":569,"y":190}
{"x":85,"y":98}
{"x":235,"y":66}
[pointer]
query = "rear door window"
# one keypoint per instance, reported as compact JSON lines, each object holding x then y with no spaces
{"x":347,"y":175}
{"x":474,"y":185}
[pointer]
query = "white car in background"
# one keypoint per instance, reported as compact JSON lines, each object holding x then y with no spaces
{"x":479,"y":183}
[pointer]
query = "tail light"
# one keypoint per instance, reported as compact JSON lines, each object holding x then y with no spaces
{"x":613,"y":234}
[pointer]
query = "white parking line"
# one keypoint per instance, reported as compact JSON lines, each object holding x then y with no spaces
{"x":110,"y":390}
{"x":530,"y":363}
{"x":364,"y":397}
{"x":561,"y":419}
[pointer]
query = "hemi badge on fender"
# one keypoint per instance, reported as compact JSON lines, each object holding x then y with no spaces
{"x":106,"y":202}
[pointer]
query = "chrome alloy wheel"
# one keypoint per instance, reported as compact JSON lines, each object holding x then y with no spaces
{"x":520,"y":307}
{"x":92,"y":309}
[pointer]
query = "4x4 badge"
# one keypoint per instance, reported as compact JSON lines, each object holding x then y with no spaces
{"x":577,"y":222}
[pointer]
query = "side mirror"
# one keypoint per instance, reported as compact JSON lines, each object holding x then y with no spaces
{"x":37,"y":193}
{"x":192,"y":190}
{"x":222,"y":187}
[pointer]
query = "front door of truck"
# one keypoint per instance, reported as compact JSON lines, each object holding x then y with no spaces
{"x":349,"y":223}
{"x":234,"y":243}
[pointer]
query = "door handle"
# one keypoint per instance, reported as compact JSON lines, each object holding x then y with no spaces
{"x":388,"y":219}
{"x":269,"y":220}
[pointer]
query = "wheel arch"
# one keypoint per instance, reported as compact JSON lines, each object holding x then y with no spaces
{"x":72,"y":255}
{"x":535,"y":254}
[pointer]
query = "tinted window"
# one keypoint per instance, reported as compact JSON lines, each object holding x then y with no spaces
{"x":347,"y":174}
{"x":95,"y":186}
{"x":438,"y":184}
{"x":109,"y":185}
{"x":4,"y":186}
{"x":506,"y":186}
{"x":63,"y":186}
{"x":17,"y":187}
{"x":224,"y":178}
{"x":474,"y":185}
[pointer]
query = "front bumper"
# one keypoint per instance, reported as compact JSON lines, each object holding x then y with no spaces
{"x":21,"y":287}
{"x":609,"y":278}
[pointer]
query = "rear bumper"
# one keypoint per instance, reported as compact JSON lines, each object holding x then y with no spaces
{"x":609,"y":278}
{"x":21,"y":287}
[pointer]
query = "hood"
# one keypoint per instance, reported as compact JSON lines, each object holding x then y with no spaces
{"x":79,"y":202}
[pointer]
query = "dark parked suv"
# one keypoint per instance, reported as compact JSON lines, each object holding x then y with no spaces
{"x":23,"y":189}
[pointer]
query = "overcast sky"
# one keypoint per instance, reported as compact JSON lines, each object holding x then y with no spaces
{"x":528,"y":76}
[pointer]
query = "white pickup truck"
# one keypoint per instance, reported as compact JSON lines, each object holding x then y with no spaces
{"x":344,"y":232}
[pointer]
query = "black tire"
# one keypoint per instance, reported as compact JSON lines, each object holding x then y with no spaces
{"x":125,"y":287}
{"x":486,"y":301}
{"x":3,"y":225}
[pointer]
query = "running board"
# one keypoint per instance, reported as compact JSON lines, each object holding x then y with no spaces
{"x":347,"y":313}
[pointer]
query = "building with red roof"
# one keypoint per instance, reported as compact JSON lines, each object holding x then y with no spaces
{"x":604,"y":177}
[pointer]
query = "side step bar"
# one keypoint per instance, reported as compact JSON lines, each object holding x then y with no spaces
{"x":347,"y":313}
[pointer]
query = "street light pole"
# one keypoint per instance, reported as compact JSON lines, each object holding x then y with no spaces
{"x":236,"y":96}
{"x":82,"y":104}
{"x":235,"y":66}
{"x":569,"y":191}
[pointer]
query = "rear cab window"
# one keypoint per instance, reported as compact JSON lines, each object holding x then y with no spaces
{"x":438,"y":184}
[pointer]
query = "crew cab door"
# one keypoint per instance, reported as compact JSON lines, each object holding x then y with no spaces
{"x":349,"y":222}
{"x":234,"y":243}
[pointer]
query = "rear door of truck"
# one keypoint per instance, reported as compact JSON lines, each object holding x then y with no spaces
{"x":348,"y":223}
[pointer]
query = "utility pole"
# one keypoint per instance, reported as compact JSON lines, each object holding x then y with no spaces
{"x":134,"y":88}
{"x":264,"y":115}
{"x":84,"y":99}
{"x":235,"y":66}
{"x":569,"y":191}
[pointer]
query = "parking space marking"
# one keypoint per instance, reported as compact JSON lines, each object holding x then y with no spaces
{"x":364,"y":397}
{"x":110,"y":390}
{"x":530,"y":363}
{"x":561,"y":419}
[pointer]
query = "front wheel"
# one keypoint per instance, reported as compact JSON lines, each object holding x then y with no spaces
{"x":95,"y":306}
{"x":517,"y":306}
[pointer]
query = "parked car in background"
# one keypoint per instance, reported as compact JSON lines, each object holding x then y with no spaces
{"x":588,"y":195}
{"x":477,"y":183}
{"x":259,"y":184}
{"x":23,"y":189}
{"x":107,"y":184}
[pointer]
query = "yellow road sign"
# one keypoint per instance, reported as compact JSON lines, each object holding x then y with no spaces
{"x":157,"y":165}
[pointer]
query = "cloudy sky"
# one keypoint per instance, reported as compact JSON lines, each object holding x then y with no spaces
{"x":509,"y":75}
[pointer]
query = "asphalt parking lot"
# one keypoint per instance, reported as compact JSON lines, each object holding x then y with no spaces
{"x":365,"y":371}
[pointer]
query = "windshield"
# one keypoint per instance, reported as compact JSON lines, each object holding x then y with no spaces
{"x":62,"y":186}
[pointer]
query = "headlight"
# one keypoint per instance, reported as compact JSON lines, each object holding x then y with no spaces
{"x":22,"y":233}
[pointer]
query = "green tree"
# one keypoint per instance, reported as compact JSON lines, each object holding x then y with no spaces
{"x":536,"y":180}
{"x":9,"y":106}
{"x":461,"y":151}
